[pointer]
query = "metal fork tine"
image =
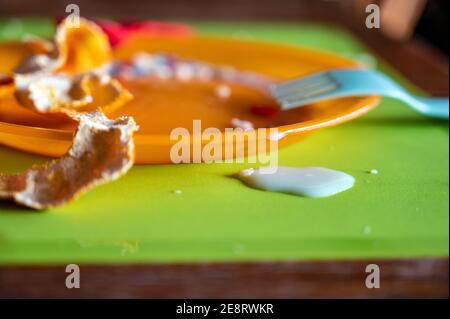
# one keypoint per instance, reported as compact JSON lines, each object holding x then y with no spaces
{"x":300,"y":92}
{"x":289,"y":85}
{"x":307,"y":86}
{"x":292,"y":99}
{"x":295,"y":92}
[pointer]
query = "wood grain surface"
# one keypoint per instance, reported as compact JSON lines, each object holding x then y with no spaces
{"x":426,"y":278}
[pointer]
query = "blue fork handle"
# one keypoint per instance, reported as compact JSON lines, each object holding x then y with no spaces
{"x":433,"y":107}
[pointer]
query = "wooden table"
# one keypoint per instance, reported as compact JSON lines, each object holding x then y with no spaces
{"x":420,"y":63}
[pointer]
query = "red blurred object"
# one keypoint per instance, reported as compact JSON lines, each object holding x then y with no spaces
{"x":265,"y":110}
{"x":118,"y":32}
{"x":5,"y":80}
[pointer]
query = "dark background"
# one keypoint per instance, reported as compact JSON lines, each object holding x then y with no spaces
{"x":432,"y":24}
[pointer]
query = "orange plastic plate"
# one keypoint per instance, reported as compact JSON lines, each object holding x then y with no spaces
{"x":160,"y":105}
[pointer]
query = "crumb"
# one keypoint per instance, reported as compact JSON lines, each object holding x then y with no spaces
{"x":204,"y":72}
{"x":129,"y":247}
{"x":238,"y":249}
{"x":245,"y":125}
{"x":144,"y":62}
{"x":223,"y":91}
{"x":164,"y":72}
{"x":184,"y":71}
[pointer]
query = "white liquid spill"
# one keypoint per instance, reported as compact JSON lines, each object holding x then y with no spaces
{"x":307,"y":181}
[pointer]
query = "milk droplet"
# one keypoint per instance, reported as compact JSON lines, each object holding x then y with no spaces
{"x":367,"y":230}
{"x":307,"y":181}
{"x":238,"y":249}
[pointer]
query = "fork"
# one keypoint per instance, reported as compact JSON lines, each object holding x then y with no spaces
{"x":344,"y":83}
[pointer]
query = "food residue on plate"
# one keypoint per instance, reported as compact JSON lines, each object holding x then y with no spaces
{"x":243,"y":124}
{"x":168,"y":67}
{"x":223,"y":91}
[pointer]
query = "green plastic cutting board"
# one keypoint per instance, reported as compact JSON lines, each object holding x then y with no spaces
{"x":401,"y":212}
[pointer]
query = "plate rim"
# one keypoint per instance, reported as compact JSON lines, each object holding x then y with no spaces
{"x":364,"y":105}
